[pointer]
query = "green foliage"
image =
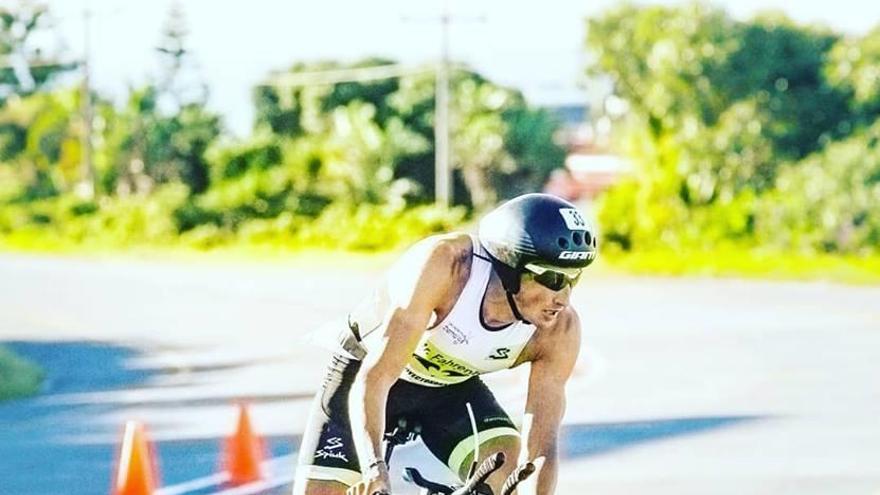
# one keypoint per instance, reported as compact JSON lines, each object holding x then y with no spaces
{"x":46,"y":148}
{"x":829,"y":202}
{"x":26,"y":67}
{"x":383,"y":130}
{"x":168,"y":218}
{"x":752,"y":263}
{"x":530,"y":138}
{"x":343,"y":164}
{"x":110,"y":223}
{"x":780,"y":65}
{"x":21,"y":29}
{"x":18,"y":377}
{"x":853,"y":67}
{"x":150,"y":148}
{"x":261,"y":152}
{"x":375,"y":228}
{"x":742,"y":133}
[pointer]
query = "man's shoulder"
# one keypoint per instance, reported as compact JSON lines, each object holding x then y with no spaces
{"x":446,"y":249}
{"x":441,"y":260}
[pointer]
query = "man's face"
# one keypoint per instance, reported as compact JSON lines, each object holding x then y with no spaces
{"x":539,"y":304}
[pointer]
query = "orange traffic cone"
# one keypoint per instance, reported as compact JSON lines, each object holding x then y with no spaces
{"x":244,"y":451}
{"x":135,"y":474}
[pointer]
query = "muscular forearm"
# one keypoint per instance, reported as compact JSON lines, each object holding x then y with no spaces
{"x":367,"y":409}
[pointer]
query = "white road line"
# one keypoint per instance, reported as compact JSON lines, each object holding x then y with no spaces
{"x":258,"y":486}
{"x":276,"y":477}
{"x":193,"y":485}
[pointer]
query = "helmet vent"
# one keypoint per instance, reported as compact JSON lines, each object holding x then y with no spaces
{"x":563,"y":242}
{"x":588,"y":239}
{"x":577,"y":238}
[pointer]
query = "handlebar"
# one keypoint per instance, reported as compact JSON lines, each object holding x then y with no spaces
{"x":487,"y":467}
{"x":476,"y":484}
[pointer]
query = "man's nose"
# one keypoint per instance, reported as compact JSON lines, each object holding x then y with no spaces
{"x":562,"y":297}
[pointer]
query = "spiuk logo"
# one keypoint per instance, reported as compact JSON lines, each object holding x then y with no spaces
{"x":500,"y":353}
{"x":331,"y":450}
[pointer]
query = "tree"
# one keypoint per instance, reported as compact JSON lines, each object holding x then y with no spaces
{"x":164,"y":131}
{"x":25,"y":67}
{"x":179,"y":83}
{"x":716,"y":107}
{"x":854,"y":68}
{"x":495,"y":136}
{"x":49,"y":156}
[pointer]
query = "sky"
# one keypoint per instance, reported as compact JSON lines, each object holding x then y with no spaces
{"x":536,"y":47}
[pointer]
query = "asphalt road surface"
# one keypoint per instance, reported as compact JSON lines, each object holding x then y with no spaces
{"x":683,"y":385}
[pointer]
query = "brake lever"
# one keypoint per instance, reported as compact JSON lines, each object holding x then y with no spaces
{"x":521,"y":474}
{"x":412,"y":475}
{"x":487,"y":467}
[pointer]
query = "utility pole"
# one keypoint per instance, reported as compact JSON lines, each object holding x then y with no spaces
{"x":442,"y":156}
{"x":86,"y":187}
{"x":442,"y":172}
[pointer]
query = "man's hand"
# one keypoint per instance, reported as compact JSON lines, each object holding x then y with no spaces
{"x":375,"y":481}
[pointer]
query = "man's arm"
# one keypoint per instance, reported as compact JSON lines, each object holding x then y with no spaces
{"x":552,"y":366}
{"x":405,"y":323}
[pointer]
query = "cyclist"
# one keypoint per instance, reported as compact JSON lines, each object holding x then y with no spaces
{"x":452,"y":308}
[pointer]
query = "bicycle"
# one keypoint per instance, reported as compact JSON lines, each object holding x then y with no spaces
{"x":477,"y":476}
{"x":476,"y":482}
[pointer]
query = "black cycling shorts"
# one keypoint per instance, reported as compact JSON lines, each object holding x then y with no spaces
{"x":327,"y":451}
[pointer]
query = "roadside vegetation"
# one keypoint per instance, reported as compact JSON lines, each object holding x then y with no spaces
{"x":18,"y":377}
{"x":755,"y":150}
{"x":755,"y":144}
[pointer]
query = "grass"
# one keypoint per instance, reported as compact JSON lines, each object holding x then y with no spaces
{"x":18,"y":377}
{"x":233,"y":253}
{"x":720,"y":262}
{"x":755,"y":263}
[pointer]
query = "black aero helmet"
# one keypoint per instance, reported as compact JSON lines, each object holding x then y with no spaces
{"x":536,"y":228}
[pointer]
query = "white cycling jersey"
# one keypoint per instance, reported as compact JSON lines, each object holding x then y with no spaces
{"x":462,"y":345}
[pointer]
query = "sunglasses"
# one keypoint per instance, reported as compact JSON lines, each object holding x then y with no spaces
{"x":554,"y":278}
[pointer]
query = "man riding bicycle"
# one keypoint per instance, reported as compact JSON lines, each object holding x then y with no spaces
{"x":454,"y":307}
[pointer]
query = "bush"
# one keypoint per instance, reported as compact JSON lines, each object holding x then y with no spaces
{"x":375,"y":227}
{"x":829,"y":202}
{"x":18,"y":377}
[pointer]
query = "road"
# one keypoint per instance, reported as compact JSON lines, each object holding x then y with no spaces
{"x":683,"y":385}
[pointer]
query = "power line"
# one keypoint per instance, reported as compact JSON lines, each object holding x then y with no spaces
{"x":337,"y":76}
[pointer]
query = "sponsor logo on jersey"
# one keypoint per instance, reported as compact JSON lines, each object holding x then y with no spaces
{"x":431,"y":362}
{"x":331,"y":449}
{"x":500,"y":353}
{"x":415,"y":377}
{"x":458,"y":337}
